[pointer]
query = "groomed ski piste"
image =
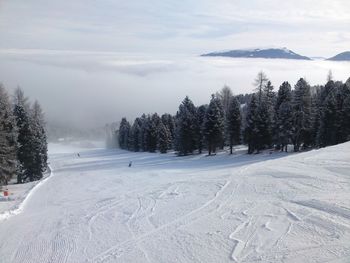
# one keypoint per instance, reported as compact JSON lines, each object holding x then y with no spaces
{"x":274,"y":207}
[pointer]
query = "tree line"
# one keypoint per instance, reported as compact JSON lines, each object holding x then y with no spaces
{"x":23,"y":144}
{"x":305,"y":117}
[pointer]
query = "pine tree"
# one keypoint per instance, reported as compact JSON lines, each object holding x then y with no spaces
{"x":311,"y":139}
{"x":214,"y":124}
{"x":284,"y":125}
{"x":346,"y":111}
{"x":263,"y":126}
{"x":146,"y":133}
{"x":266,"y":106}
{"x":301,"y":114}
{"x":152,"y":136}
{"x":131,"y":138}
{"x":284,"y":115}
{"x":185,"y":134}
{"x":233,"y":123}
{"x":142,"y":135}
{"x":200,"y":116}
{"x":251,"y":130}
{"x":270,"y":95}
{"x":169,"y":122}
{"x":164,"y":140}
{"x":324,"y":92}
{"x":327,"y":133}
{"x":8,"y":139}
{"x":25,"y":137}
{"x":225,"y":96}
{"x":342,"y":121}
{"x":39,"y":142}
{"x":124,"y":132}
{"x":135,"y":131}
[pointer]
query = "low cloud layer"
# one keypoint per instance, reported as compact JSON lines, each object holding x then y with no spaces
{"x":91,"y":88}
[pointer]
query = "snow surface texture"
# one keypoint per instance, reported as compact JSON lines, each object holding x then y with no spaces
{"x":239,"y":208}
{"x":19,"y":195}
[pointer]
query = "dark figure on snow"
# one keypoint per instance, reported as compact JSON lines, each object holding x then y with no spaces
{"x":78,"y":154}
{"x":130,"y":163}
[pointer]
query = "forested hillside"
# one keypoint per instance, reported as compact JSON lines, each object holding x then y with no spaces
{"x":305,"y":116}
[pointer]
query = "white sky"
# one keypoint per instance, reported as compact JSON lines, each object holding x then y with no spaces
{"x":121,"y":58}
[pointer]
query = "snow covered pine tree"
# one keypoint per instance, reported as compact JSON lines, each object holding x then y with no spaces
{"x":214,"y":124}
{"x":8,"y":137}
{"x":233,"y":122}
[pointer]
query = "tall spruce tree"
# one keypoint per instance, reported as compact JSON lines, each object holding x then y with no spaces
{"x":214,"y":124}
{"x":186,"y":124}
{"x":168,"y":121}
{"x":333,"y":127}
{"x":251,"y":129}
{"x":25,"y":137}
{"x":146,"y":133}
{"x":267,"y":113}
{"x":263,"y":126}
{"x":200,"y":115}
{"x":225,"y":96}
{"x":124,"y":132}
{"x":284,"y":115}
{"x":152,"y":137}
{"x":301,"y":114}
{"x":346,"y":111}
{"x":342,"y":124}
{"x":39,"y":142}
{"x":327,"y":131}
{"x":233,"y":123}
{"x":142,"y":135}
{"x":320,"y":99}
{"x":135,"y":133}
{"x":131,"y":138}
{"x":8,"y":139}
{"x":164,"y":138}
{"x":270,"y":97}
{"x":311,"y":140}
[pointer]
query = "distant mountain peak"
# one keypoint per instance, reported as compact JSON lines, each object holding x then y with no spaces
{"x":344,"y":56}
{"x":282,"y":53}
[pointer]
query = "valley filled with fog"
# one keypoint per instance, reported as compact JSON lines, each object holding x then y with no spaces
{"x":89,"y":89}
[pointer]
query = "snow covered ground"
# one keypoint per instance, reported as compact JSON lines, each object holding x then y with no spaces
{"x":261,"y":208}
{"x":10,"y":205}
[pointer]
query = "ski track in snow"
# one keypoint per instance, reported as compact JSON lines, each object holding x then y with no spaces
{"x":175,"y":224}
{"x":238,"y":208}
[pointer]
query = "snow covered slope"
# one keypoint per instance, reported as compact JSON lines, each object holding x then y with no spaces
{"x":240,"y":208}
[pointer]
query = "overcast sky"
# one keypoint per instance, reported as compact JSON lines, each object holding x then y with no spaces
{"x":311,"y":27}
{"x":100,"y":60}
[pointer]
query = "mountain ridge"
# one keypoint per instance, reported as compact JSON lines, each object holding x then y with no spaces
{"x":343,"y":56}
{"x":269,"y":53}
